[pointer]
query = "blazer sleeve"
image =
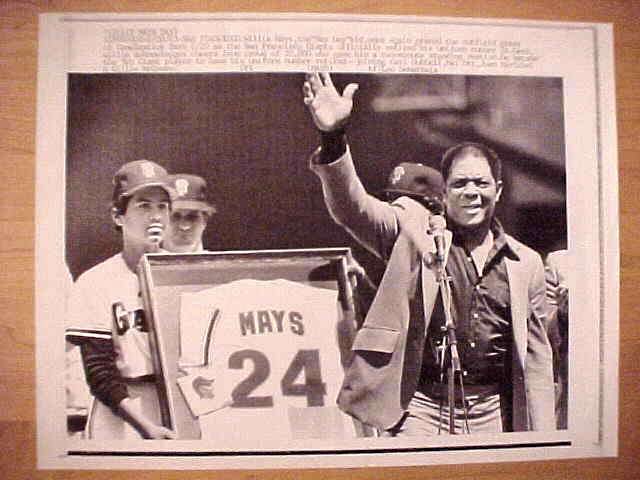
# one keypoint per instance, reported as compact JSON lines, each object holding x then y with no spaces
{"x":372,"y":222}
{"x":539,"y":361}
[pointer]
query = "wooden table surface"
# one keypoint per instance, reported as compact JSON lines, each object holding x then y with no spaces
{"x":18,"y":67}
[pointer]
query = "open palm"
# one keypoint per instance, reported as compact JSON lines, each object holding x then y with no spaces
{"x":329,"y":109}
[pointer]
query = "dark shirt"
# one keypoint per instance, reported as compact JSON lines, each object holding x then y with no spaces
{"x":481,"y":310}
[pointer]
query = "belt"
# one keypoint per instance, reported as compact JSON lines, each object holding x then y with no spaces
{"x":439,"y":391}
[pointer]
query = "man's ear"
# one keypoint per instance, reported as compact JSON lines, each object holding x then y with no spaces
{"x":499,"y":190}
{"x":116,"y":216}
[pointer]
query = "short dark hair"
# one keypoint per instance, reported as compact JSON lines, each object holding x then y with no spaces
{"x":476,"y":149}
{"x":120,"y":203}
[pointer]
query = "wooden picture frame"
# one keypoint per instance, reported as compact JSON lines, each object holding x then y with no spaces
{"x":164,"y":277}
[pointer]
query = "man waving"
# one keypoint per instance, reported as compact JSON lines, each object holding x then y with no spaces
{"x":395,"y":380}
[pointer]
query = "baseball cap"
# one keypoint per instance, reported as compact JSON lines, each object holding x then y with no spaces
{"x":134,"y":176}
{"x":190,"y":192}
{"x":415,"y":180}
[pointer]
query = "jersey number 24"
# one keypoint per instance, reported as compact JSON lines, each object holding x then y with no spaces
{"x":307,"y":361}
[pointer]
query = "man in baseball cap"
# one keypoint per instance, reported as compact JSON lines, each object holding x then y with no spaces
{"x":144,"y":227}
{"x":106,"y":314}
{"x":190,"y":213}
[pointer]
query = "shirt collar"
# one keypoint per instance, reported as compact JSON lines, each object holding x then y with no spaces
{"x":500,"y":241}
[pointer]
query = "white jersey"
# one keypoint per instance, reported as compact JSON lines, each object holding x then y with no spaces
{"x":269,"y":360}
{"x":99,"y":292}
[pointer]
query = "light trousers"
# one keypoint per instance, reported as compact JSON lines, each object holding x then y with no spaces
{"x":426,"y":416}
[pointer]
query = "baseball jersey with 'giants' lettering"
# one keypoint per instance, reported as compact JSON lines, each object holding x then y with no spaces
{"x":96,"y":299}
{"x":265,"y":360}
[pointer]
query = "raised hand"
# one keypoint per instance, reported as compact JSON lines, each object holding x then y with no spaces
{"x":329,"y":109}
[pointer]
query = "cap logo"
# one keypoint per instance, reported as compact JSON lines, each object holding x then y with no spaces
{"x":148,"y":170}
{"x":182,"y":186}
{"x":397,"y":174}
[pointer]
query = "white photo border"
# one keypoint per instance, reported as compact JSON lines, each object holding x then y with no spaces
{"x":67,"y":44}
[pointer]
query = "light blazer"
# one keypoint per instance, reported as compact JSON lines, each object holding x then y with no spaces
{"x":384,"y":370}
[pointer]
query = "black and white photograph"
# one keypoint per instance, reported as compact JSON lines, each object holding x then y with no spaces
{"x":315,"y":264}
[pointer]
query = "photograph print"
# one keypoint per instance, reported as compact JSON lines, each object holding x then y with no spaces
{"x":444,"y":197}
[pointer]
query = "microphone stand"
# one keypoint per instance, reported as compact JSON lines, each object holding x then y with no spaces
{"x":450,"y":347}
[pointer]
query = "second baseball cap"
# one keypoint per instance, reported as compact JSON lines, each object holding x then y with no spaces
{"x":190,"y":192}
{"x":134,"y":176}
{"x":415,"y":180}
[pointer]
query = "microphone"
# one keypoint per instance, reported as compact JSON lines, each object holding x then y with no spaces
{"x":437,"y":225}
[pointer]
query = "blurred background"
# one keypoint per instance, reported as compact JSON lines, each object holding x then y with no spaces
{"x":250,"y":136}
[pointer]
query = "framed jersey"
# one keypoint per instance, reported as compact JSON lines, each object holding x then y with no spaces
{"x":241,"y":339}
